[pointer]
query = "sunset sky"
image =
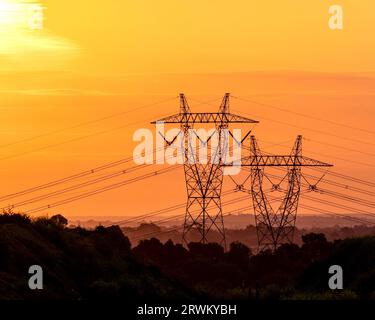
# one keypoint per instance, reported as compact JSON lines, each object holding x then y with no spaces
{"x":93,"y":59}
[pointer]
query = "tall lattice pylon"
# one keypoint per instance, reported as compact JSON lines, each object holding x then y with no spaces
{"x":276,"y":228}
{"x":204,"y":180}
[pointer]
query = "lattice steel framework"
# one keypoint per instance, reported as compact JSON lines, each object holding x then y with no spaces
{"x":204,"y":181}
{"x":276,"y":228}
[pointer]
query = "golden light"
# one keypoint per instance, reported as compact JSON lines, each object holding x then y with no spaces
{"x":17,"y":21}
{"x":20,"y":15}
{"x":23,"y":40}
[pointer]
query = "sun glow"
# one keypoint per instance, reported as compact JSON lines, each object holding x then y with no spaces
{"x":24,"y":42}
{"x":18,"y":20}
{"x":20,"y":15}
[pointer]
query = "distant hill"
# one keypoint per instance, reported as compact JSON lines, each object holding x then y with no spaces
{"x":233,"y":221}
{"x":247,"y":235}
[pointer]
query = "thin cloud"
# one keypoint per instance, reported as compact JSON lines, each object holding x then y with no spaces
{"x":25,"y":44}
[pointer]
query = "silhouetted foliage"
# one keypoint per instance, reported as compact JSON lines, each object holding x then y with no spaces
{"x":10,"y":217}
{"x":78,"y":264}
{"x":100,"y":264}
{"x":59,"y":220}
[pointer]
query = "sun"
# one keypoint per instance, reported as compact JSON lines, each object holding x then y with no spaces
{"x":20,"y":15}
{"x":25,"y":43}
{"x":8,"y":10}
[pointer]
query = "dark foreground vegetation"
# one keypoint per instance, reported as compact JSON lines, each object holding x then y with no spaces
{"x":79,"y":264}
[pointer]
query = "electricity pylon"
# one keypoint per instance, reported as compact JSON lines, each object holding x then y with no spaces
{"x":276,"y":228}
{"x":204,"y":180}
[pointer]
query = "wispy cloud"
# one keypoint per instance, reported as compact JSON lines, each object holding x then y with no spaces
{"x":25,"y":44}
{"x":59,"y":92}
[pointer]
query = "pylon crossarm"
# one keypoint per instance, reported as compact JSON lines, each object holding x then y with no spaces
{"x":280,"y":161}
{"x":204,"y":117}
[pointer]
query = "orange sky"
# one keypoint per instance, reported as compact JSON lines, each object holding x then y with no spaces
{"x":94,"y":59}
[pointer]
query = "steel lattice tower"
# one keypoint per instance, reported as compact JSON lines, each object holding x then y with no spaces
{"x":204,"y":181}
{"x":276,"y":228}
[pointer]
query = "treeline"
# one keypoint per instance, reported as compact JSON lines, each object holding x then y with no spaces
{"x":82,"y":264}
{"x":77,"y":264}
{"x":247,"y":236}
{"x":291,"y":272}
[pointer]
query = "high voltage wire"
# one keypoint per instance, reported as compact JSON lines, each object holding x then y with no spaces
{"x":165,"y":220}
{"x":83,"y":184}
{"x":309,"y":129}
{"x":72,"y":140}
{"x":273,"y":199}
{"x":328,"y":156}
{"x":97,"y":191}
{"x":304,"y":115}
{"x":339,"y":147}
{"x":179,"y":227}
{"x":84,"y":173}
{"x":330,"y":172}
{"x":306,"y":206}
{"x":341,"y":185}
{"x":340,"y":196}
{"x":67,"y":179}
{"x":82,"y":124}
{"x":75,"y":187}
{"x":342,"y":216}
{"x":180,"y":206}
{"x":340,"y":206}
{"x":330,"y":192}
{"x":100,"y":190}
{"x":350,"y":178}
{"x":158,"y":212}
{"x":326,"y":133}
{"x":363,"y":202}
{"x":344,"y":197}
{"x":336,"y":174}
{"x":76,"y":176}
{"x":83,"y":137}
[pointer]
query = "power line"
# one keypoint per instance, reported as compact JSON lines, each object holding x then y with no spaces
{"x":309,"y":129}
{"x":333,"y":193}
{"x":100,"y":190}
{"x":328,"y":156}
{"x":86,"y":123}
{"x":75,"y":187}
{"x":341,"y":185}
{"x":305,"y":115}
{"x":273,"y":199}
{"x":350,"y":178}
{"x":72,"y":177}
{"x":86,"y":136}
{"x":340,"y":147}
{"x":72,"y":140}
{"x":341,"y":196}
{"x":157,"y":212}
{"x":330,"y":172}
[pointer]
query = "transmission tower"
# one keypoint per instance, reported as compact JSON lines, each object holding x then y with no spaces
{"x":204,"y":180}
{"x":276,"y":228}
